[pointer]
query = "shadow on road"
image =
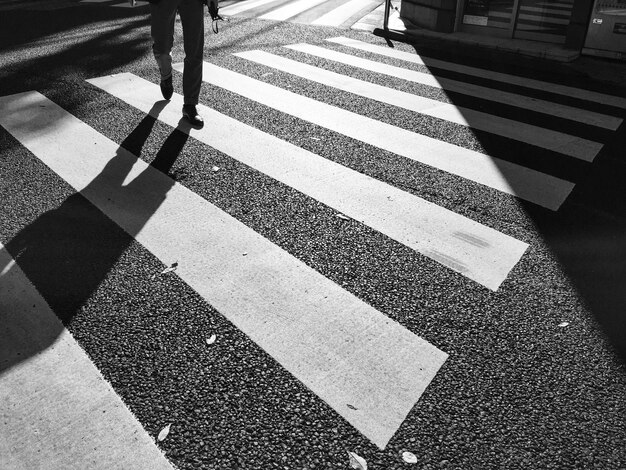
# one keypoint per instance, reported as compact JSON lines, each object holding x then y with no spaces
{"x":28,"y":22}
{"x":587,"y":234}
{"x":47,"y":49}
{"x":67,"y":252}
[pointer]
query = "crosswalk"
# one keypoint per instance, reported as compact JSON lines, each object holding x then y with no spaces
{"x":369,"y":369}
{"x":336,"y":13}
{"x":345,"y":14}
{"x":75,"y":391}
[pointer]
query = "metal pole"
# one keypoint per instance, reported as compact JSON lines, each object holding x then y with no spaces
{"x":386,"y":19}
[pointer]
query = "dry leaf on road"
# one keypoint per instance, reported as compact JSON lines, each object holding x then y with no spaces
{"x":357,"y":462}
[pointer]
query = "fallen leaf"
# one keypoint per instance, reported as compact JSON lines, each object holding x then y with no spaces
{"x":344,"y":217}
{"x":409,"y":457}
{"x":215,"y":168}
{"x":164,"y":432}
{"x":565,"y":323}
{"x":357,"y":462}
{"x":211,"y":340}
{"x":170,"y":269}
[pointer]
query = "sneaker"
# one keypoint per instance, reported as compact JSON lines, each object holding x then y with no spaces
{"x":167,"y":88}
{"x":191,"y":114}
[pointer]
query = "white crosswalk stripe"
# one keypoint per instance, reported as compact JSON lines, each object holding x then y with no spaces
{"x":240,"y":7}
{"x":533,"y":186}
{"x":477,"y":252}
{"x":344,"y":12}
{"x":374,"y":19}
{"x":291,"y":9}
{"x":566,"y":144}
{"x":295,"y":314}
{"x":556,"y":88}
{"x":60,"y":390}
{"x":316,"y":12}
{"x":491,"y":94}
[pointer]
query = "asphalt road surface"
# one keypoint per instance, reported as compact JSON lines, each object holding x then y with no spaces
{"x":366,"y":249}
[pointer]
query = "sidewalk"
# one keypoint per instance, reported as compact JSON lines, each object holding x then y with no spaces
{"x":610,"y":71}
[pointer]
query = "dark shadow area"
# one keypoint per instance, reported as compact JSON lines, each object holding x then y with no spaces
{"x":92,"y":53}
{"x":67,"y":252}
{"x":51,"y":49}
{"x":588,"y":237}
{"x":25,"y":24}
{"x":587,"y":234}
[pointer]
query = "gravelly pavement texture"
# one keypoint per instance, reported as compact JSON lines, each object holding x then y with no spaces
{"x":517,"y":391}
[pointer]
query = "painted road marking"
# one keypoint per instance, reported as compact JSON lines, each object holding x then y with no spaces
{"x":414,"y":58}
{"x":373,"y":19}
{"x":53,"y":393}
{"x":240,"y":7}
{"x":525,"y":183}
{"x":437,"y":233}
{"x":505,"y":97}
{"x":552,"y":140}
{"x":344,"y":12}
{"x":344,"y":350}
{"x":290,"y":9}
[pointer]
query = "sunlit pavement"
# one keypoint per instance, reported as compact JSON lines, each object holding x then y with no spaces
{"x":366,"y":249}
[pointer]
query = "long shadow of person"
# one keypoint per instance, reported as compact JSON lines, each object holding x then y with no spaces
{"x":67,"y":252}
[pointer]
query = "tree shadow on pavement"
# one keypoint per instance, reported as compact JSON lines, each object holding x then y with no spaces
{"x":55,"y":48}
{"x":24,"y":24}
{"x":67,"y":252}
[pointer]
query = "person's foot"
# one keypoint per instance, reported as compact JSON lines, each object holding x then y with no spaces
{"x":167,"y":88}
{"x":191,"y":114}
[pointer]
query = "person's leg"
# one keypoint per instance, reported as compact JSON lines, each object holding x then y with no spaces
{"x":192,"y":17}
{"x":162,"y":18}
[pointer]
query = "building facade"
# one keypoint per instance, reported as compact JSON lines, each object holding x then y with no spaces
{"x":590,"y":26}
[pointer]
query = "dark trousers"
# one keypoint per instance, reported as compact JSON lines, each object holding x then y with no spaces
{"x":163,"y":16}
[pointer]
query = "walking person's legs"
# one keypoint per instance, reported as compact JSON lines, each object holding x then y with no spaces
{"x":162,"y":18}
{"x":192,"y":17}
